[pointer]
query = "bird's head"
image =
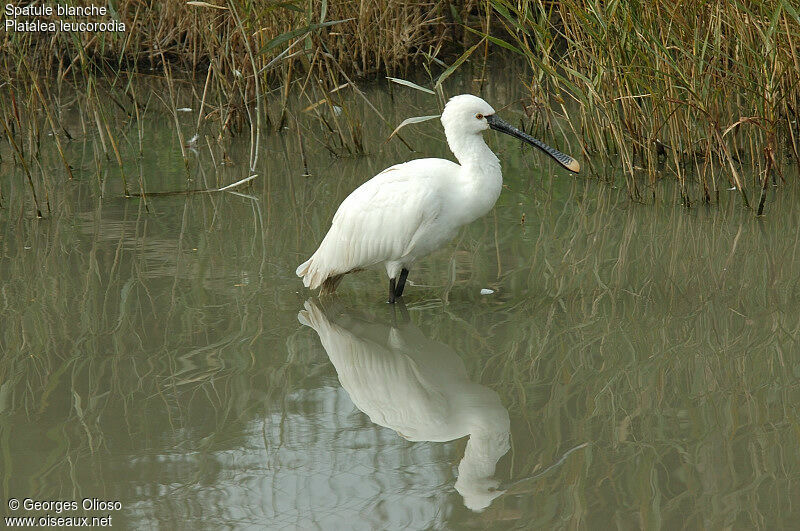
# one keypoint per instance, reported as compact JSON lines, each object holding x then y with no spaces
{"x":469,"y":115}
{"x":466,"y":114}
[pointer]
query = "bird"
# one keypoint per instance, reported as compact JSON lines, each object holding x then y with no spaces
{"x":411,"y":209}
{"x":417,"y":387}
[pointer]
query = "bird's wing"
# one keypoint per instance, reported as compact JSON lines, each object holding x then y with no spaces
{"x":378,"y":221}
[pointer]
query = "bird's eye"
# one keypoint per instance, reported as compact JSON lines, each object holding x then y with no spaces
{"x":479,"y":116}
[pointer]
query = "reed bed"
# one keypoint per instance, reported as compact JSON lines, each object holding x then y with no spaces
{"x":232,"y":37}
{"x":241,"y":50}
{"x":705,"y":91}
{"x":235,"y":66}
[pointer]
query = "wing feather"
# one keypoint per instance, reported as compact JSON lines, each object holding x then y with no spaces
{"x":379,"y":220}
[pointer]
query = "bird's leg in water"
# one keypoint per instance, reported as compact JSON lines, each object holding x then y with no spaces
{"x":391,"y":291}
{"x":401,"y":284}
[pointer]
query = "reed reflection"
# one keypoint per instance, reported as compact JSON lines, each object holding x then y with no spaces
{"x":417,"y":387}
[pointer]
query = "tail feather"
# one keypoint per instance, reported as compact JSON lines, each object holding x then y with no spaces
{"x":315,"y":276}
{"x":302,"y":271}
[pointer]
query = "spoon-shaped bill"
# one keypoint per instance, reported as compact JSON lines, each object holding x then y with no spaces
{"x":498,"y":124}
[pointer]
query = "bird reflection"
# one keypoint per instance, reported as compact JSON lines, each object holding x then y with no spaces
{"x":418,"y":387}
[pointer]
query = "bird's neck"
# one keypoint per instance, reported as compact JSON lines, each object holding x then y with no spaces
{"x":471,"y":150}
{"x":481,"y":179}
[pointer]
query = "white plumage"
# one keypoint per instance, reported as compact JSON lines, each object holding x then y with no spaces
{"x":420,"y":388}
{"x":411,"y":209}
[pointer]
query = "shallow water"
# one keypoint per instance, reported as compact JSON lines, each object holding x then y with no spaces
{"x":634,"y":366}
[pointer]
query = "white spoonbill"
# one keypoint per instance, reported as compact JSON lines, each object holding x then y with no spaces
{"x":409,"y":210}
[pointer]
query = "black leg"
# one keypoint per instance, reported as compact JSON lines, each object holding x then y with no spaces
{"x":391,"y":291}
{"x":401,"y":284}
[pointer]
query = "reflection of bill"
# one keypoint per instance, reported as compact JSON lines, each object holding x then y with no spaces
{"x":419,"y":388}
